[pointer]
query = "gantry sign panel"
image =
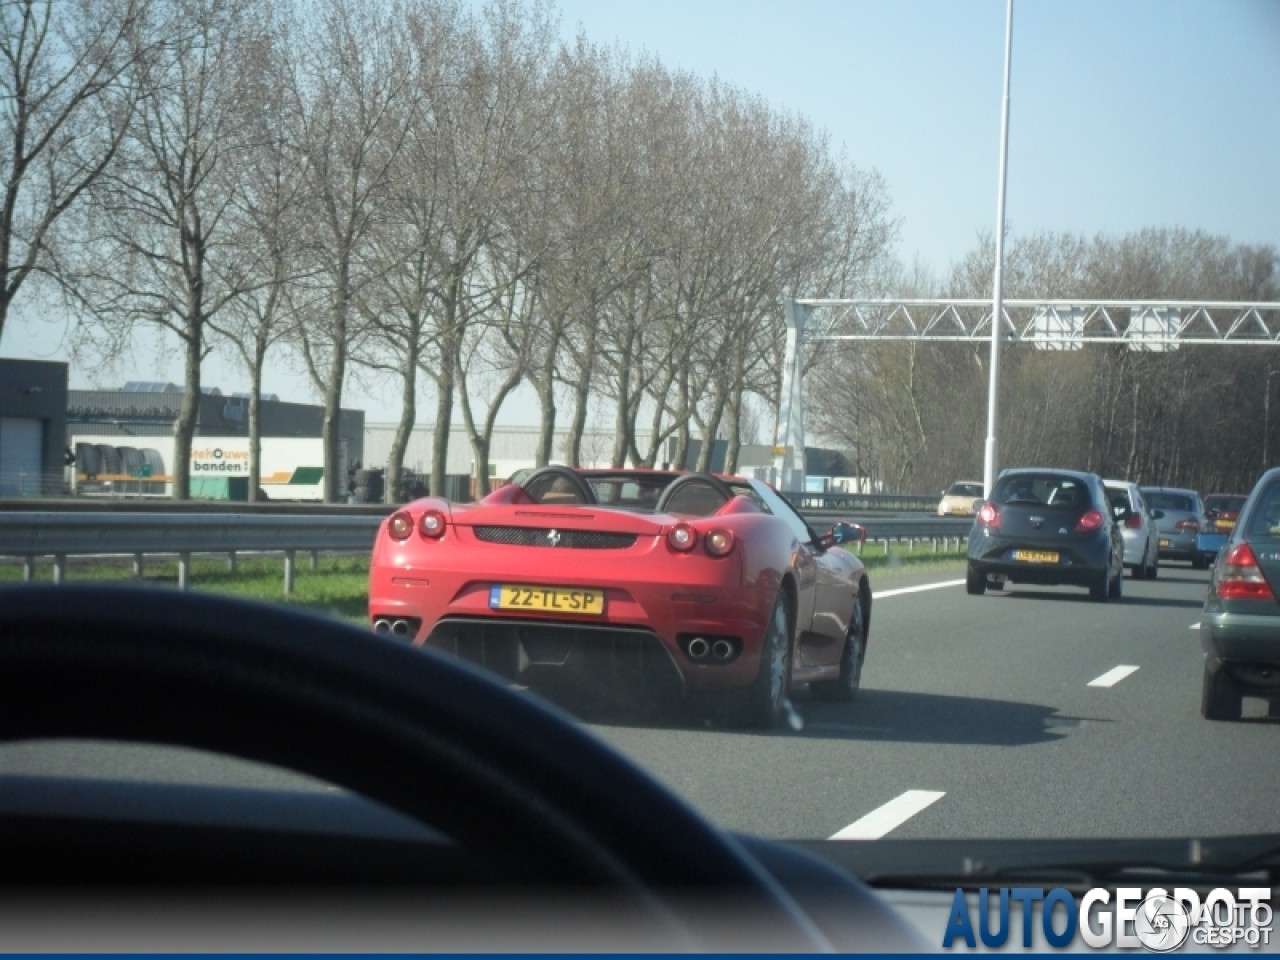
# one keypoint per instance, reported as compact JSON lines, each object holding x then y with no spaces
{"x":1045,"y":324}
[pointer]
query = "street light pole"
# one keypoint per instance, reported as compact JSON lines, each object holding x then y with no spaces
{"x":991,"y":457}
{"x":1266,"y":418}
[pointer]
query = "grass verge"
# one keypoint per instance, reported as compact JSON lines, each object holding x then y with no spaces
{"x":340,"y":585}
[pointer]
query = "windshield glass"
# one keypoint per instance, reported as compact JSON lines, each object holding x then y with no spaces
{"x":1163,"y":500}
{"x":1042,"y":489}
{"x":288,"y":288}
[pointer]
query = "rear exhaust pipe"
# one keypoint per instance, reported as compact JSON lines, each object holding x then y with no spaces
{"x":722,"y":650}
{"x":382,"y":625}
{"x":698,"y":648}
{"x":400,"y":628}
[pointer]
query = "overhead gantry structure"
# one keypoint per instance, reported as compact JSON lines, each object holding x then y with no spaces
{"x":1146,"y":325}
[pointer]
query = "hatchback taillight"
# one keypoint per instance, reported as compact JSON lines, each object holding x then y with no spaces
{"x":1241,"y":578}
{"x":989,"y":516}
{"x":1090,"y":522}
{"x":1133,"y":521}
{"x":1190,"y":525}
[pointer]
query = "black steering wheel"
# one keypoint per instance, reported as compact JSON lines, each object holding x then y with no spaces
{"x":504,"y":775}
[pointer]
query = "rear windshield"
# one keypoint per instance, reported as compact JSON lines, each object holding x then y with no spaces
{"x":1228,"y":504}
{"x":1264,"y":518}
{"x":638,"y":494}
{"x":965,"y":490}
{"x":1158,"y":500}
{"x":1119,"y":498}
{"x":1044,"y":489}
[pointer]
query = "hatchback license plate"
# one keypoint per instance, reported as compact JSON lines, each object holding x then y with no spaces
{"x":1035,"y":556}
{"x":1164,"y":542}
{"x":581,"y":601}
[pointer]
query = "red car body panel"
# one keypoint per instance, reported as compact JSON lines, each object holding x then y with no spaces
{"x":647,"y":585}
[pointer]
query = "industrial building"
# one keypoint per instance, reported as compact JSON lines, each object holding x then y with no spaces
{"x":33,"y":413}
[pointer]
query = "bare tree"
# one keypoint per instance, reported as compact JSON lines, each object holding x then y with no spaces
{"x":352,"y":94}
{"x":157,"y":247}
{"x":69,"y":84}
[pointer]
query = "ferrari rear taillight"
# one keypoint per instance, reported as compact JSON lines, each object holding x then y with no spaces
{"x":1189,"y":525}
{"x":718,"y":543}
{"x":1133,"y":521}
{"x":682,"y":538}
{"x":989,"y":516}
{"x":1090,"y":522}
{"x":400,"y":526}
{"x":1241,"y":578}
{"x":432,"y":525}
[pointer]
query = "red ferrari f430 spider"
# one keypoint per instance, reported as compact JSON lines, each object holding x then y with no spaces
{"x":631,"y":582}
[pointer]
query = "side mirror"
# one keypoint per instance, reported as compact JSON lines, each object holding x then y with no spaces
{"x":1157,"y":514}
{"x":842,"y":533}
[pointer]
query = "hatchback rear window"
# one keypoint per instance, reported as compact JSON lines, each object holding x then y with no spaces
{"x":1170,"y":501}
{"x":1229,"y":504}
{"x":965,"y":490}
{"x":1044,"y":489}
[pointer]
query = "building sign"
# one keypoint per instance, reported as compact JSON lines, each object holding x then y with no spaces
{"x":221,"y":460}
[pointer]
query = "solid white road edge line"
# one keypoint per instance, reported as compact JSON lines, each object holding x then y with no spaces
{"x":881,"y":594}
{"x":893,"y":814}
{"x":1113,"y":676}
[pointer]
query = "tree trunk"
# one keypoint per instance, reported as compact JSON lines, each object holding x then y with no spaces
{"x":547,"y":404}
{"x":734,"y":413}
{"x":706,"y":456}
{"x":184,"y":427}
{"x":255,"y":419}
{"x":682,"y":422}
{"x":408,"y":416}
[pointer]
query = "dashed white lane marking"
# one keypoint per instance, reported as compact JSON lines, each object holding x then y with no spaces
{"x":890,"y":816}
{"x":1113,"y":676}
{"x":1195,"y":626}
{"x":881,"y":594}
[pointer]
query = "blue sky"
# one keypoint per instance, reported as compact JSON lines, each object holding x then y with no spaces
{"x":1125,"y":114}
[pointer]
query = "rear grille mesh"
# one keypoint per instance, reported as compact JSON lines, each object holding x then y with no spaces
{"x":536,"y":537}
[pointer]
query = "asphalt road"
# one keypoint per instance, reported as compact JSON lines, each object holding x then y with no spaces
{"x":987,"y":701}
{"x":977,"y":718}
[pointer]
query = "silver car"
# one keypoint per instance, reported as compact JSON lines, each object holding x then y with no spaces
{"x":1137,"y":526}
{"x":1182,"y":522}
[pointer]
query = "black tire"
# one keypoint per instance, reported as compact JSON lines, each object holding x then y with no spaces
{"x":761,"y":704}
{"x":1220,"y":697}
{"x":1100,"y":589}
{"x":851,"y":657}
{"x":1153,"y":570}
{"x":975,"y":584}
{"x":1115,"y":589}
{"x":1199,"y":563}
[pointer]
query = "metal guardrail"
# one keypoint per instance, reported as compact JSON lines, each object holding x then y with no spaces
{"x":903,"y":502}
{"x":33,"y":534}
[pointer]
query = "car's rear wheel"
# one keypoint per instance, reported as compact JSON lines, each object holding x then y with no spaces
{"x":761,"y":704}
{"x":1199,"y":563}
{"x":1115,"y":589}
{"x":855,"y":649}
{"x":1221,"y":697}
{"x":1100,"y":589}
{"x":975,"y":583}
{"x":1153,"y":567}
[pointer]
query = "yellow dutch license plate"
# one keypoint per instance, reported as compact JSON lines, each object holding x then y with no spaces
{"x":1035,"y":556}
{"x":582,"y":601}
{"x":1226,"y":524}
{"x":1164,"y":542}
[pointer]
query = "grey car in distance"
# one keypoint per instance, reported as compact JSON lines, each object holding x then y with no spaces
{"x":1182,"y":522}
{"x":1137,"y":526}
